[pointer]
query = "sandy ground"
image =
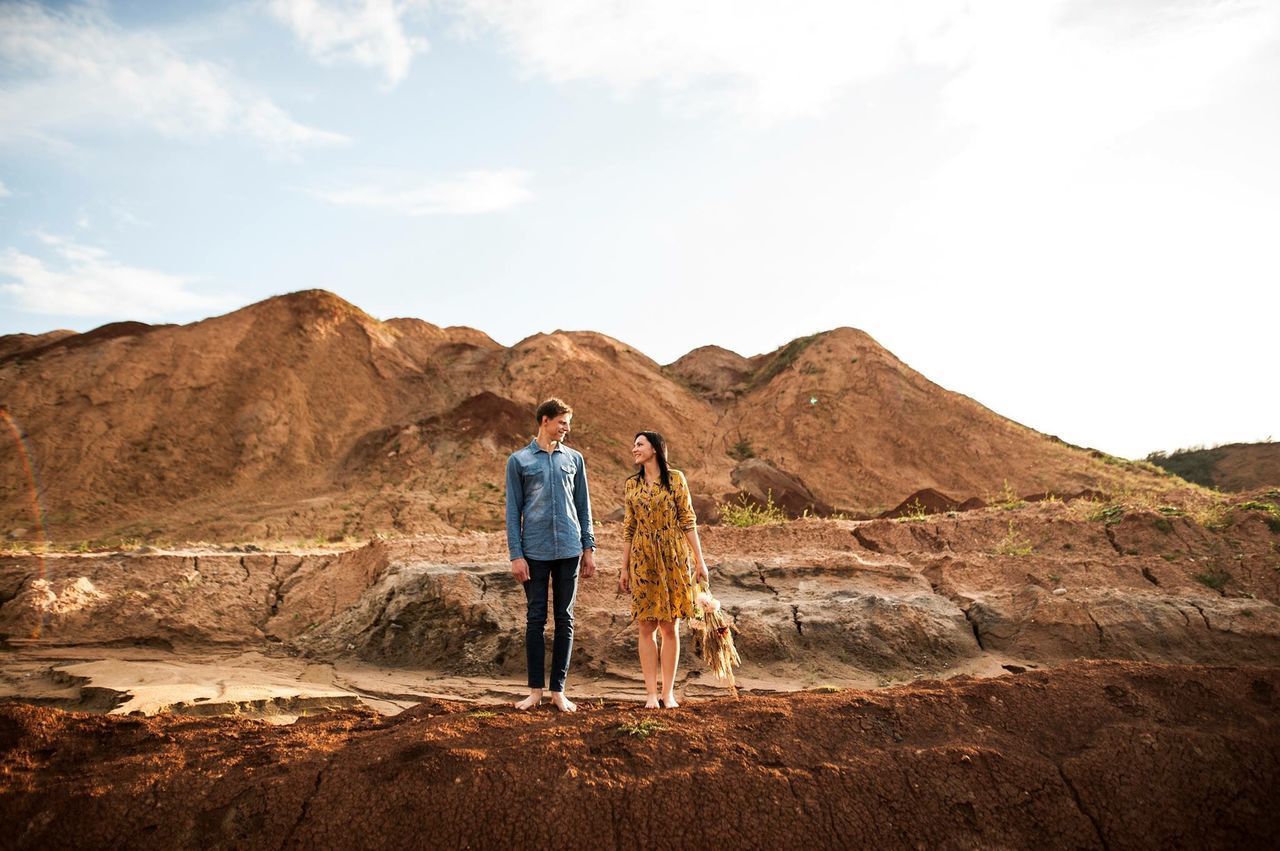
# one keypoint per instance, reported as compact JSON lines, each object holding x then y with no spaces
{"x":281,"y":688}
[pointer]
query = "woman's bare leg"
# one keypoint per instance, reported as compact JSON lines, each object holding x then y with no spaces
{"x":647,"y":631}
{"x":670,"y":656}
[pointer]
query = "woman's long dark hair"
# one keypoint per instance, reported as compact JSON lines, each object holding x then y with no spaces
{"x":660,"y":452}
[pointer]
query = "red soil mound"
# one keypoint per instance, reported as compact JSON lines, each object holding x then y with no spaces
{"x":1089,"y":755}
{"x":926,"y":501}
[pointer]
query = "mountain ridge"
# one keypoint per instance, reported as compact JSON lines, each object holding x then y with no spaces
{"x":256,"y":424}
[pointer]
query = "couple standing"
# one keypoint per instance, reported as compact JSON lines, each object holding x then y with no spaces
{"x":549,"y":534}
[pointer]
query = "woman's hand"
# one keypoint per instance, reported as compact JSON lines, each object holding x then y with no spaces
{"x":624,"y":580}
{"x":700,"y":573}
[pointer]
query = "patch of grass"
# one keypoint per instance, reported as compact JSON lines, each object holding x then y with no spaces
{"x":827,"y":689}
{"x":1214,"y":578}
{"x":1013,"y":544}
{"x":1216,"y":516}
{"x":1109,"y":514}
{"x":642,"y":728}
{"x":1168,"y":557}
{"x":1055,"y":578}
{"x":747,"y":513}
{"x":783,"y":359}
{"x":482,"y":713}
{"x":1163,"y":525}
{"x":1170,"y":510}
{"x":1255,"y":505}
{"x":742,"y":450}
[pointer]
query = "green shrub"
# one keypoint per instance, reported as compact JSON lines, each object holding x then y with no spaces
{"x":742,"y":450}
{"x":915,"y":512}
{"x":1214,"y":578}
{"x":1013,"y":544}
{"x":744,"y":512}
{"x":1195,"y":464}
{"x":1007,"y":499}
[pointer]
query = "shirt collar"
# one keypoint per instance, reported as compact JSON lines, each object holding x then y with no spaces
{"x":533,"y":444}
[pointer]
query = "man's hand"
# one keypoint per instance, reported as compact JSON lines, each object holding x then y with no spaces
{"x":520,"y":570}
{"x":588,"y":563}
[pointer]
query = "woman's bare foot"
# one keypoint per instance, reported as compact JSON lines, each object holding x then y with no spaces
{"x":534,"y":698}
{"x":564,"y":704}
{"x":652,"y":703}
{"x":670,"y":701}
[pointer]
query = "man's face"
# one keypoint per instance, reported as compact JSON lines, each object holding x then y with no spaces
{"x":557,"y":428}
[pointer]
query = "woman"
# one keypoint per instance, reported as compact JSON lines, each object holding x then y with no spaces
{"x":659,"y":535}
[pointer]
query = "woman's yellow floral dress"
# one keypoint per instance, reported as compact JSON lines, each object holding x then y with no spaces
{"x":655,"y":523}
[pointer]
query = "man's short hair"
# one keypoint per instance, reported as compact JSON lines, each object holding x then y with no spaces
{"x":552,"y":408}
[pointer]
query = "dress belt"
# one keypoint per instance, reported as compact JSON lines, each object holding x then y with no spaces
{"x":655,"y":533}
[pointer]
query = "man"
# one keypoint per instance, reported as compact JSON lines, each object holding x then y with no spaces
{"x":548,"y":529}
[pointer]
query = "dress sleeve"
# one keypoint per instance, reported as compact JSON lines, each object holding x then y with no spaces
{"x":684,"y":504}
{"x":628,"y":513}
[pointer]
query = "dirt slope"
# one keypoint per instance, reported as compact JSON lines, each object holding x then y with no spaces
{"x":1092,"y":755}
{"x":302,"y":416}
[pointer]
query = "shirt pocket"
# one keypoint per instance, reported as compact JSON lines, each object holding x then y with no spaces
{"x":569,"y":468}
{"x":533,"y":476}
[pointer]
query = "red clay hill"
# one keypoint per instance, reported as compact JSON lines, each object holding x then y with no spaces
{"x":303,"y":416}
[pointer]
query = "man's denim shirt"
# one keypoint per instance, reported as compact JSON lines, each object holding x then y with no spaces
{"x":548,"y":507}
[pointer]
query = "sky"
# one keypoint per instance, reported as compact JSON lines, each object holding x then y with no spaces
{"x":1068,"y":211}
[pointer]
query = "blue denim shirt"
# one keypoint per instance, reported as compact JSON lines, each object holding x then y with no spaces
{"x":548,"y":507}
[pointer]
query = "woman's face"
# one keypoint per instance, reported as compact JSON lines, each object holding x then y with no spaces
{"x":641,"y":450}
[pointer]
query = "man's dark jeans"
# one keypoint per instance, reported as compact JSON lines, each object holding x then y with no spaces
{"x":562,"y":576}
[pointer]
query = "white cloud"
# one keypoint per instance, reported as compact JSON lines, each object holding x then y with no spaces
{"x":1013,"y":64}
{"x":364,"y":32}
{"x":765,"y":60}
{"x":77,"y":70}
{"x":468,"y":193}
{"x":1070,"y":74}
{"x":83,"y":280}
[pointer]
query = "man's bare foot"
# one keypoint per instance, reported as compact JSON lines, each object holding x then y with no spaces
{"x":534,"y":698}
{"x":670,"y":701}
{"x":652,"y":703}
{"x":564,"y":704}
